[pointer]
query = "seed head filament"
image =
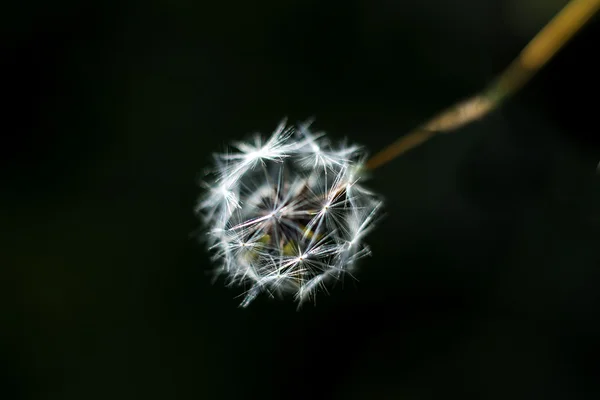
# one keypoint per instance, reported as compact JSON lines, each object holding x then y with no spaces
{"x":293,"y":215}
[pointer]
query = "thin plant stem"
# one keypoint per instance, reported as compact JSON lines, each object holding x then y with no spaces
{"x":531,"y":59}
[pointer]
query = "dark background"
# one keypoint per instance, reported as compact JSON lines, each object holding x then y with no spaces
{"x":483,"y":282}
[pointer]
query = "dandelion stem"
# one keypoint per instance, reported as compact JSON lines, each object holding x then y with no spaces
{"x":531,"y":59}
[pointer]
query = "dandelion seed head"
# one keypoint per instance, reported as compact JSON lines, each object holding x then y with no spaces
{"x":287,"y":215}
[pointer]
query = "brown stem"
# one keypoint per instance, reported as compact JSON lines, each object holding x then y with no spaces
{"x":533,"y":57}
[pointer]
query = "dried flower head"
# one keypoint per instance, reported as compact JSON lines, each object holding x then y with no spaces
{"x":287,"y":214}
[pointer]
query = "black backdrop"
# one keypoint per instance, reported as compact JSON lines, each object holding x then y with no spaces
{"x":483,"y":279}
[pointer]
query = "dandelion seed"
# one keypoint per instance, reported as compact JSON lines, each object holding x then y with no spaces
{"x":287,"y":215}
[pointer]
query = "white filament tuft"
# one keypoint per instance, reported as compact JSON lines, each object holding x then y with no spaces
{"x":288,"y":214}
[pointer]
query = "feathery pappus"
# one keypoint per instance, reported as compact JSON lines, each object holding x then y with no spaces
{"x":287,"y":214}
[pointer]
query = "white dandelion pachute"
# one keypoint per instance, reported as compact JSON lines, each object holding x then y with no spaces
{"x":289,"y":214}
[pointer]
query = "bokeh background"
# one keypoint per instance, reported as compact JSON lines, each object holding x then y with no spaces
{"x":483,"y":281}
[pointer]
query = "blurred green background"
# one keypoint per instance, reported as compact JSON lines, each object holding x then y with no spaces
{"x":483,"y":282}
